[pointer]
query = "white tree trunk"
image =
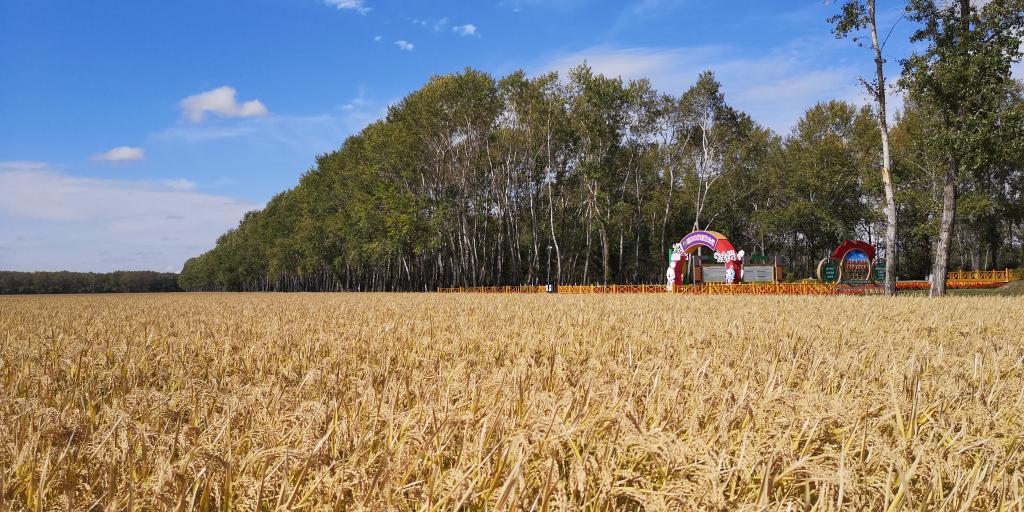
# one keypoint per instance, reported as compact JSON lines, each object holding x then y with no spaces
{"x":883,"y":128}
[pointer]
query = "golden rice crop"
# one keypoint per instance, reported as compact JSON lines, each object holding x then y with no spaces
{"x":427,"y":402}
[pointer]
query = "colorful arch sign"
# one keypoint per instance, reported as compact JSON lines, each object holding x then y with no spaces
{"x":717,"y":242}
{"x":852,"y":262}
{"x":711,"y":239}
{"x":841,"y":252}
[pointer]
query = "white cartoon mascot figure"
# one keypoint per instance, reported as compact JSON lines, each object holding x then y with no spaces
{"x":734,"y":269}
{"x":674,"y":274}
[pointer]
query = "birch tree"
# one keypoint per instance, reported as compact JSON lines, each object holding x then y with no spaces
{"x":857,"y":16}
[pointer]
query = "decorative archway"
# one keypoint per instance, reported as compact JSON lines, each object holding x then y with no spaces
{"x":852,"y":262}
{"x":713,"y":240}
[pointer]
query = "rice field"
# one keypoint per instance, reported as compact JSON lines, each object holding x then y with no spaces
{"x":490,"y":402}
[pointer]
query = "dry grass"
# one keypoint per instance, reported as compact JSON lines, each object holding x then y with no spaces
{"x":487,"y":402}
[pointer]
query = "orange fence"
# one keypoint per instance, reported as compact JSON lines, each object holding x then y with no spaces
{"x":969,"y":279}
{"x":563,"y":289}
{"x":611,"y":289}
{"x":958,"y":279}
{"x":1002,"y":276}
{"x":699,"y":289}
{"x":707,"y":289}
{"x":494,"y":289}
{"x":768,"y":289}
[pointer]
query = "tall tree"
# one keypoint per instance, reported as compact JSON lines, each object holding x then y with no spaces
{"x":472,"y":180}
{"x":856,"y":16}
{"x":962,"y":73}
{"x":712,"y":124}
{"x":819,"y":198}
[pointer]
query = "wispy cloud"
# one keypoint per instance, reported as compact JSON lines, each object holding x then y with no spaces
{"x":775,"y":87}
{"x":520,"y":5}
{"x":302,"y":134}
{"x":351,"y":5}
{"x":357,"y":103}
{"x":468,"y":29}
{"x":220,"y":101}
{"x":638,"y":13}
{"x":436,"y":25}
{"x":653,"y":7}
{"x":179,"y":184}
{"x":121,"y":154}
{"x":55,"y":220}
{"x":404,"y":45}
{"x":23,"y":165}
{"x":669,"y":69}
{"x":60,"y":222}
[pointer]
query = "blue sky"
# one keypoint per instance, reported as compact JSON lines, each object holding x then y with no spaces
{"x":135,"y":132}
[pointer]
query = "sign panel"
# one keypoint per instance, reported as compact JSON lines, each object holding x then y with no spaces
{"x":758,"y":274}
{"x":705,"y":238}
{"x":714,"y":273}
{"x":830,"y":272}
{"x":711,"y":239}
{"x":856,"y":267}
{"x":879,"y":271}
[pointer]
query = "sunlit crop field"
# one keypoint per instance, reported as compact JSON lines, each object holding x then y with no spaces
{"x":423,"y":402}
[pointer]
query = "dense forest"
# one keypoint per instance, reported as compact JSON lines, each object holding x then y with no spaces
{"x":475,"y":180}
{"x":87,"y":282}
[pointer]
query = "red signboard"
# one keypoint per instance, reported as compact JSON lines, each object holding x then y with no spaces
{"x":853,"y":245}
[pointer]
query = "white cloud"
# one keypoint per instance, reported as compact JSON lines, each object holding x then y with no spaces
{"x":357,"y":103}
{"x":297,"y":134}
{"x":775,"y":88}
{"x":220,"y":101}
{"x":59,"y":222}
{"x":305,"y":135}
{"x":352,"y":5}
{"x":22,"y":165}
{"x":179,"y":184}
{"x":669,"y":69}
{"x":521,"y":5}
{"x":468,"y":29}
{"x":378,"y":39}
{"x":121,"y":154}
{"x":441,"y":24}
{"x":404,"y":45}
{"x":653,"y":7}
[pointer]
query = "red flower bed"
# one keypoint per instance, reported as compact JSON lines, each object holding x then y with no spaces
{"x":912,"y":285}
{"x":974,"y":285}
{"x":961,"y":285}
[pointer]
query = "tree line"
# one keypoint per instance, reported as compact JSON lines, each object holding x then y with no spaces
{"x":87,"y":282}
{"x":474,"y":180}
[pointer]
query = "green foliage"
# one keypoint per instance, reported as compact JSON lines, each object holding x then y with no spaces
{"x":963,"y":75}
{"x":87,"y":282}
{"x":477,"y":181}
